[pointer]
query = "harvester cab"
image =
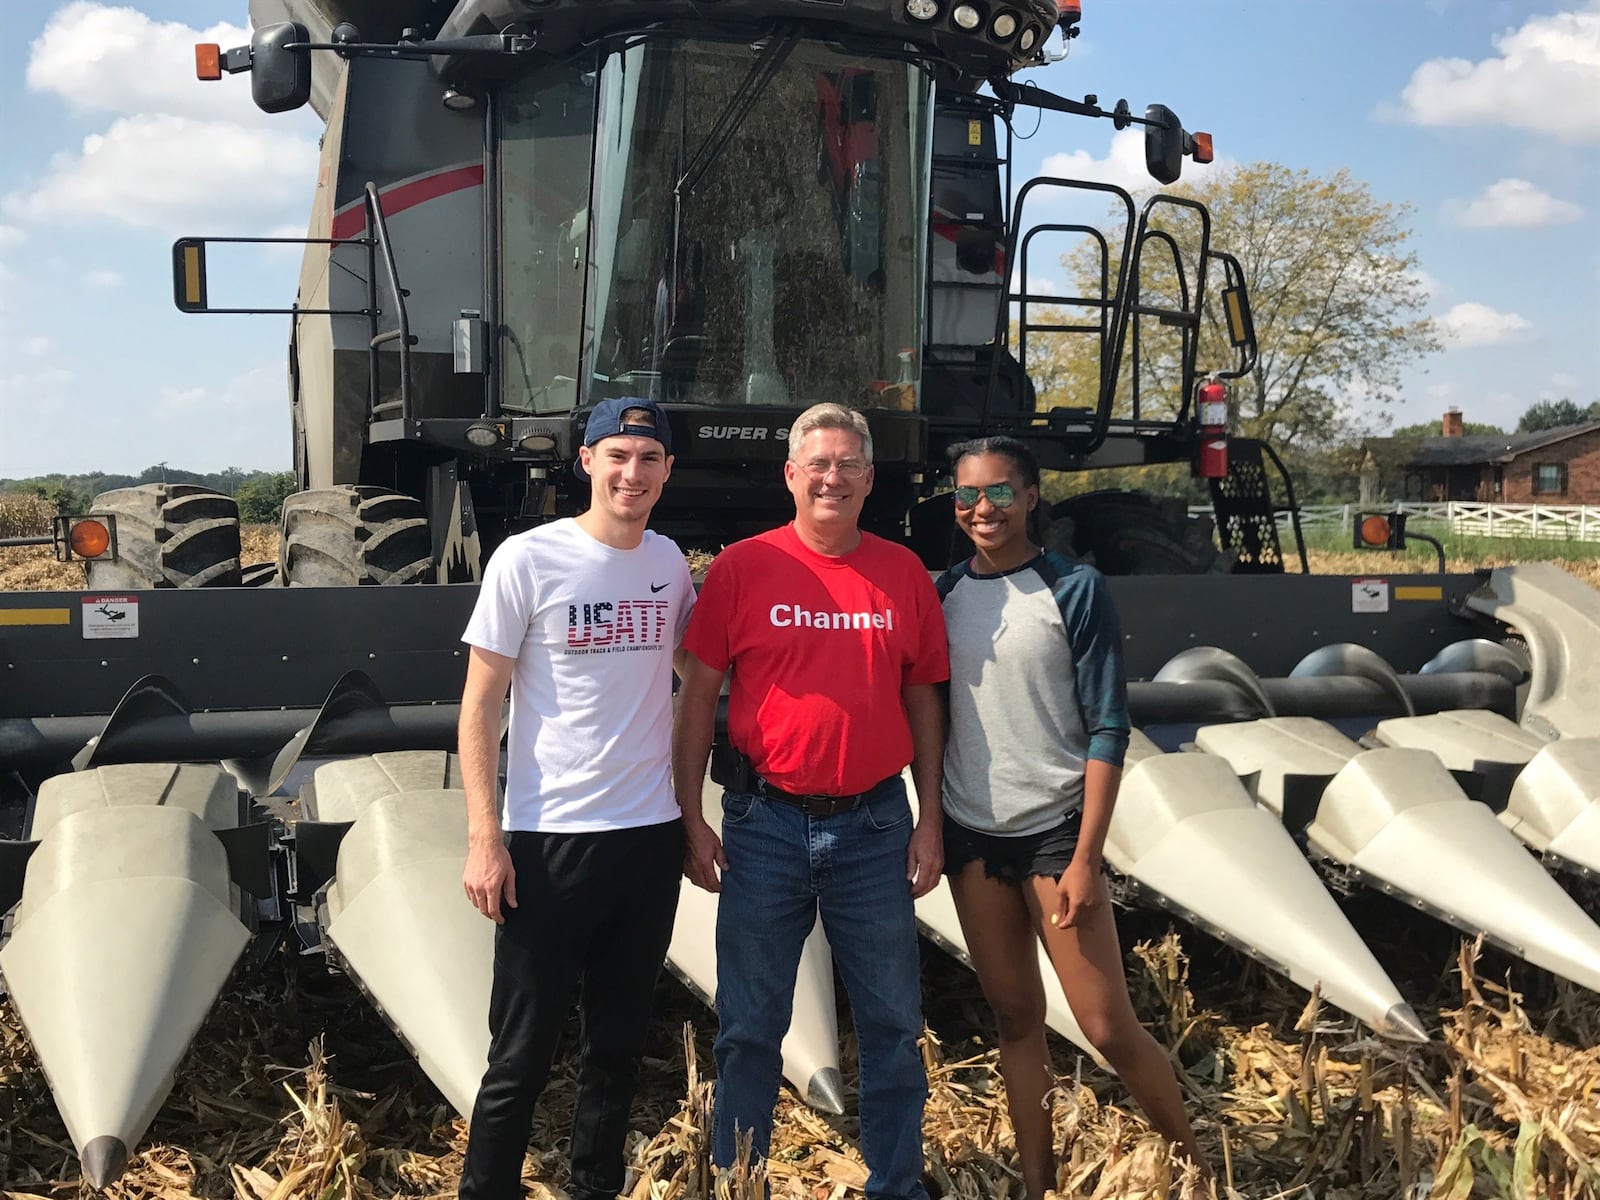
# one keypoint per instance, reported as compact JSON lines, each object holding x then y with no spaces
{"x":736,"y":212}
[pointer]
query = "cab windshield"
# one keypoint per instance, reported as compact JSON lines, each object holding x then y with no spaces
{"x":757,"y":226}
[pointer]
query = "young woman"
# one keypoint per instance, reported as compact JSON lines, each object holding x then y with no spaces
{"x":1038,"y":729}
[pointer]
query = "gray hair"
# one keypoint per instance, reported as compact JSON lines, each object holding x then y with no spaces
{"x":831,"y":416}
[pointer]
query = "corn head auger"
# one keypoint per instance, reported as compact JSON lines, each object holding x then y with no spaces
{"x":528,"y":206}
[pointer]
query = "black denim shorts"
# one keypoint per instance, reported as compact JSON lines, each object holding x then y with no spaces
{"x":1011,"y":858}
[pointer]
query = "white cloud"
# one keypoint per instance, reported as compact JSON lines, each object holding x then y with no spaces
{"x":35,"y":347}
{"x":1545,"y":78}
{"x":1516,"y":204}
{"x":179,"y":400}
{"x":179,"y":151}
{"x":1472,"y":324}
{"x":167,"y":172}
{"x":1123,"y":164}
{"x":1440,"y":391}
{"x":103,"y":279}
{"x":28,"y":385}
{"x":1430,"y":285}
{"x":1563,"y":380}
{"x":118,"y":60}
{"x":10,"y":235}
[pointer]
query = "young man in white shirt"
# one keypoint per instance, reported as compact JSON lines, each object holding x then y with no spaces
{"x":580,"y":619}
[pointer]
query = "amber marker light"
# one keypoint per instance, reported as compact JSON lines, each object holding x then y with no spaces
{"x":89,"y":538}
{"x":1202,"y":148}
{"x":208,"y":61}
{"x":1374,"y":531}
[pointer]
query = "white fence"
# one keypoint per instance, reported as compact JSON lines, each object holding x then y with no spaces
{"x":1557,"y":522}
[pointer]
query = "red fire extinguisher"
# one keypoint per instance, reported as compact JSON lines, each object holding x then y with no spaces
{"x":1211,"y":409}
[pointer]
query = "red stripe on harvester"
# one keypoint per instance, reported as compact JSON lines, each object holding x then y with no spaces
{"x":349,"y":221}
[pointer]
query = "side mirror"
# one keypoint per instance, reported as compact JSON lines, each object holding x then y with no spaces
{"x":189,"y":275}
{"x":280,"y":67}
{"x":1163,"y":143}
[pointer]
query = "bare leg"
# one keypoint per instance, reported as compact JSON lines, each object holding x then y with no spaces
{"x":1088,"y":961}
{"x":1000,"y":939}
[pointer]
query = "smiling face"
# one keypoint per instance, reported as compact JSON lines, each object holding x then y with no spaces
{"x":626,"y":474}
{"x":829,"y":478}
{"x":999,"y":534}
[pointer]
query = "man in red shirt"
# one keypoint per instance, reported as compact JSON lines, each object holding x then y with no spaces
{"x":836,"y":642}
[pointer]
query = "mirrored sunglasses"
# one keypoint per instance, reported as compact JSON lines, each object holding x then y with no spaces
{"x":1001,"y":495}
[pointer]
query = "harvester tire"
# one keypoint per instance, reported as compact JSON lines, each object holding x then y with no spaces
{"x":350,"y":536}
{"x":169,"y":535}
{"x":1131,"y":533}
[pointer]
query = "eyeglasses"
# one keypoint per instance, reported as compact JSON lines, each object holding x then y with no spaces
{"x":1001,"y":495}
{"x":845,"y":468}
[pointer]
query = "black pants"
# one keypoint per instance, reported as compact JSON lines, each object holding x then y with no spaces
{"x":594,"y":911}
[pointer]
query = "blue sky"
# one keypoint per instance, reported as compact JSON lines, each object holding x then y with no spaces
{"x":1484,"y":116}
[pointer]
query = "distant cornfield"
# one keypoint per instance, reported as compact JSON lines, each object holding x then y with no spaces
{"x":25,"y":516}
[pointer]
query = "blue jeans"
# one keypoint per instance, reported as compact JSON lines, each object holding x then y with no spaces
{"x":783,"y":867}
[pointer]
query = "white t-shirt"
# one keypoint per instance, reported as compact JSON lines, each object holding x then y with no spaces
{"x":592,"y":629}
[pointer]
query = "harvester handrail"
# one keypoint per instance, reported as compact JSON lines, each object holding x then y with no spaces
{"x":380,"y":242}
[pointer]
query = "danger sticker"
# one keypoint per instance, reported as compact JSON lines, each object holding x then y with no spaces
{"x":1369,"y":595}
{"x":110,"y":617}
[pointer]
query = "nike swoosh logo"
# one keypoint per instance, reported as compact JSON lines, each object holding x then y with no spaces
{"x":656,"y":587}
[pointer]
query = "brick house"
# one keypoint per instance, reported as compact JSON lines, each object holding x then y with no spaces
{"x":1552,"y":466}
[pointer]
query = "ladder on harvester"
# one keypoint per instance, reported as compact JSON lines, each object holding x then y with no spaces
{"x":1247,"y":516}
{"x":966,"y":274}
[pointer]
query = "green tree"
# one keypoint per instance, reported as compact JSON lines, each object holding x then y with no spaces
{"x":1428,"y":429}
{"x":1334,"y":289}
{"x":261,"y":497}
{"x":1550,"y":414}
{"x":62,"y":496}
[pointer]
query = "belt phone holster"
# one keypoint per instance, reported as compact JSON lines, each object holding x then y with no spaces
{"x":730,"y":768}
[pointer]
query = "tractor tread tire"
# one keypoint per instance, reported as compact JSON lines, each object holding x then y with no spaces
{"x":354,"y":537}
{"x":169,"y":535}
{"x":1132,"y":533}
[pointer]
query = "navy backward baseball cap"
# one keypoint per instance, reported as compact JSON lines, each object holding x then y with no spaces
{"x":608,"y":419}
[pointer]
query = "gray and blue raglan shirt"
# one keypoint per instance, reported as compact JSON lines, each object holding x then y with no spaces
{"x":1036,"y":690}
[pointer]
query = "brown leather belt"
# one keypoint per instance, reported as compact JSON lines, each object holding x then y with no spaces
{"x":815,"y":805}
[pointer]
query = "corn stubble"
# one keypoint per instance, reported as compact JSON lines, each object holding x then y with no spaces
{"x":1505,"y":1103}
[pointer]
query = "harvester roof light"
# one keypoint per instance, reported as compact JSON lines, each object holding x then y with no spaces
{"x":1202,"y":148}
{"x":1029,"y":38}
{"x":922,"y":10}
{"x":1003,"y":27}
{"x":208,"y":61}
{"x":457,"y":101}
{"x":966,"y":16}
{"x":1070,"y":11}
{"x":483,"y":435}
{"x":89,"y":538}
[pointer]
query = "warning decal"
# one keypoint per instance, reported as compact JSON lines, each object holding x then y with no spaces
{"x":1369,"y":595}
{"x":110,"y":617}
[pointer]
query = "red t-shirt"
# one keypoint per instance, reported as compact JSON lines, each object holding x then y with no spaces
{"x":820,"y":648}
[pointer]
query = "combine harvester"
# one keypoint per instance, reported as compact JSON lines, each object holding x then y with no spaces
{"x":527,"y":206}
